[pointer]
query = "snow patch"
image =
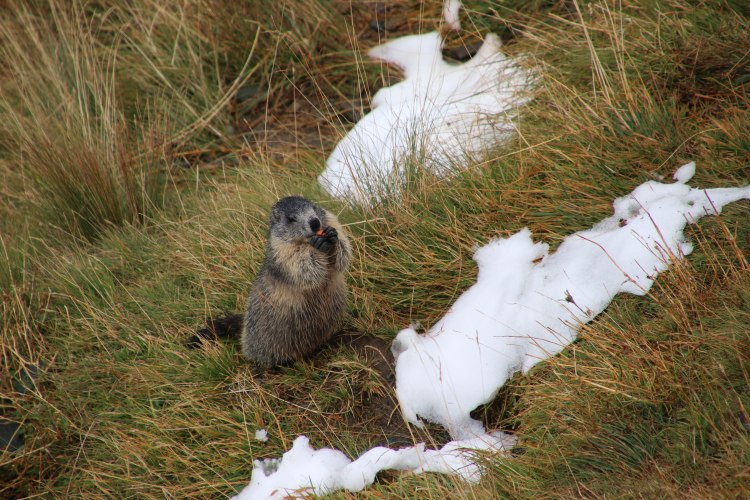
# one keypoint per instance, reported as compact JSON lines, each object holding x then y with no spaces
{"x":261,"y":435}
{"x":441,"y":115}
{"x":526,"y":306}
{"x":304,"y":471}
{"x":685,"y":173}
{"x":451,"y":9}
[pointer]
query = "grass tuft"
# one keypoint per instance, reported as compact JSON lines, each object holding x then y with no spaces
{"x":63,"y":130}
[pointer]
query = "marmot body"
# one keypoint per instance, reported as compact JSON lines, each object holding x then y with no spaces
{"x":298,"y":298}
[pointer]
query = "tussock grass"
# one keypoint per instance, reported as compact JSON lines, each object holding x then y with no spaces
{"x":62,"y":127}
{"x":653,"y":398}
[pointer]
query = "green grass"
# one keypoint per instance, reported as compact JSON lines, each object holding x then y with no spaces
{"x":136,"y":201}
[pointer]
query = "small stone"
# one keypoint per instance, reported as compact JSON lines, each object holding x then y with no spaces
{"x":245,"y":93}
{"x":27,"y":378}
{"x":11,"y":438}
{"x":377,"y":25}
{"x":465,"y":52}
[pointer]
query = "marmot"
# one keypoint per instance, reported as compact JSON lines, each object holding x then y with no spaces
{"x":298,"y":298}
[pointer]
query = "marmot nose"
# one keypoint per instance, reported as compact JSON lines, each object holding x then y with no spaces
{"x":314,"y":224}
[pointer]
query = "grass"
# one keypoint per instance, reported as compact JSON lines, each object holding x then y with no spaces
{"x":135,"y":205}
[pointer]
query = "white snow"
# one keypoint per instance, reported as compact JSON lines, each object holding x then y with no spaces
{"x":300,"y":470}
{"x":526,"y":306}
{"x":261,"y":435}
{"x":523,"y":310}
{"x":304,"y":471}
{"x":441,"y":115}
{"x":450,"y":14}
{"x":685,"y":173}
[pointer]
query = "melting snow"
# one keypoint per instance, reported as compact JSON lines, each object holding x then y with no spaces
{"x":441,"y":115}
{"x":451,"y":9}
{"x":526,"y":306}
{"x":304,"y":471}
{"x":261,"y":435}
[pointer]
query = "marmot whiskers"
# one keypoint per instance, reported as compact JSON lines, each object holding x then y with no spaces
{"x":298,"y":298}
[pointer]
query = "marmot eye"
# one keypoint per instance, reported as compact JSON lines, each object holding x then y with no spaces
{"x":290,"y":220}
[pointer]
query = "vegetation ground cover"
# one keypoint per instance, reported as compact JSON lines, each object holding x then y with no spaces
{"x":141,"y":146}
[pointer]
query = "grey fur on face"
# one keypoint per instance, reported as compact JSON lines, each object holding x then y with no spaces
{"x":294,"y":217}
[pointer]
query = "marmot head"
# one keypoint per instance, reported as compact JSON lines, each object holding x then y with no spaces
{"x":295,"y":218}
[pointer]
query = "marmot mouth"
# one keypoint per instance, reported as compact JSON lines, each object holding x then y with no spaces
{"x":309,"y":234}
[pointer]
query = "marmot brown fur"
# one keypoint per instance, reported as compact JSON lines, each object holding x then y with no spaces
{"x":298,"y":298}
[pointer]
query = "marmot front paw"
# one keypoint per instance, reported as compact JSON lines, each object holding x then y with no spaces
{"x":325,"y":239}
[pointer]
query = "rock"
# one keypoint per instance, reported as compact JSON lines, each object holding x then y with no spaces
{"x":27,"y":377}
{"x":11,"y":438}
{"x":245,"y":93}
{"x":465,"y":52}
{"x":377,"y":25}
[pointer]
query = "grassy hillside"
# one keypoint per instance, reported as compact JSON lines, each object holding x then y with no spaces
{"x":142,"y":145}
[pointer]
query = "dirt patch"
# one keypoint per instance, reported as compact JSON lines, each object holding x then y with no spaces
{"x":378,"y":419}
